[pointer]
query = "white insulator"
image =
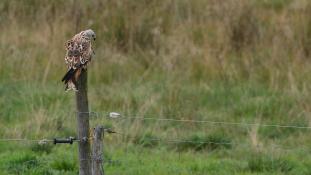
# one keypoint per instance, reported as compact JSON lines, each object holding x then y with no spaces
{"x":114,"y":115}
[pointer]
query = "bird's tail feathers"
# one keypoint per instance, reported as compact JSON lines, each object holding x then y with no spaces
{"x":70,"y":73}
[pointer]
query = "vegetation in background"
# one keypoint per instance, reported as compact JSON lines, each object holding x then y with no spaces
{"x":234,"y":60}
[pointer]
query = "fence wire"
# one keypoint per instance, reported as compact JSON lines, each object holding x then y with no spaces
{"x":178,"y":140}
{"x":240,"y":144}
{"x":168,"y":140}
{"x":146,"y":117}
{"x":39,"y":141}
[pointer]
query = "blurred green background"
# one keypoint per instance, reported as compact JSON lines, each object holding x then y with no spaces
{"x":233,"y":60}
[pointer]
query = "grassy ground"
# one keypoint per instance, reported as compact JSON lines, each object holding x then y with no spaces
{"x":238,"y":61}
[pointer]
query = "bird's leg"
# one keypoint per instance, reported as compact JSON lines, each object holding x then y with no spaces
{"x":74,"y":84}
{"x":66,"y":87}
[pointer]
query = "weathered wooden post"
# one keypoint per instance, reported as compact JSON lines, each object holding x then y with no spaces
{"x":83,"y":124}
{"x":97,"y":151}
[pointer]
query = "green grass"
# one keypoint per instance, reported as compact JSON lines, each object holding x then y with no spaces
{"x":133,"y":159}
{"x":235,"y":61}
{"x":52,"y":115}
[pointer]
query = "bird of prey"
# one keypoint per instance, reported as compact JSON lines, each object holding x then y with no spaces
{"x":79,"y":54}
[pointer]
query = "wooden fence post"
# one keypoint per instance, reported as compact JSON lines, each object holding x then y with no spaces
{"x":83,"y":124}
{"x":97,"y":151}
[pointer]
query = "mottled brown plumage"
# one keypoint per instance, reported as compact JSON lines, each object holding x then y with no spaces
{"x":79,"y":54}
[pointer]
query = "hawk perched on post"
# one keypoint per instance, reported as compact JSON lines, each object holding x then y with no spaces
{"x":79,"y":54}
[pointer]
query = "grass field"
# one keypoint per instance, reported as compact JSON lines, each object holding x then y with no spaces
{"x":243,"y":61}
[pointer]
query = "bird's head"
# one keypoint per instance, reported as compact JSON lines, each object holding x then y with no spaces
{"x":90,"y":34}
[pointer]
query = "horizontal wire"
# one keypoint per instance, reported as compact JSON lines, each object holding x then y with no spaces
{"x":177,"y":140}
{"x":24,"y":140}
{"x":189,"y":141}
{"x":274,"y":146}
{"x":167,"y":140}
{"x":209,"y":122}
{"x":181,"y":141}
{"x":220,"y":122}
{"x":97,"y":114}
{"x":40,"y":141}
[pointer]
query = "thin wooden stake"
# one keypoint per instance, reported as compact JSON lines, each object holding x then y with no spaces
{"x":97,"y":151}
{"x":83,"y":124}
